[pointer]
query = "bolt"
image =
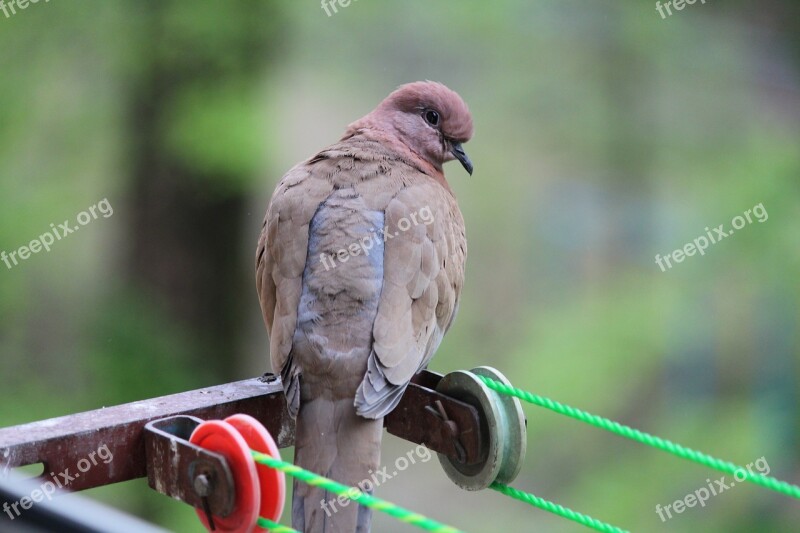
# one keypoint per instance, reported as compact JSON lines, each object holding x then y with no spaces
{"x":202,"y":486}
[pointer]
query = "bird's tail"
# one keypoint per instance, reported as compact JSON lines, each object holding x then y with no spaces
{"x":331,"y":440}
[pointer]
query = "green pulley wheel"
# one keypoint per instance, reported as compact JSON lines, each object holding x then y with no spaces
{"x":502,"y":424}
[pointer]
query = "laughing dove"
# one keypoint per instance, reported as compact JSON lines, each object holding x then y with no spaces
{"x":359,"y":268}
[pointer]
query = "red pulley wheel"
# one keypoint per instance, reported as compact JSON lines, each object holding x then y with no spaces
{"x":272,"y":482}
{"x":221,"y":437}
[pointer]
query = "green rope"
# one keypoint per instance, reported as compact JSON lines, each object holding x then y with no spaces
{"x":404,"y":515}
{"x":556,"y":509}
{"x":644,"y":438}
{"x":274,"y":527}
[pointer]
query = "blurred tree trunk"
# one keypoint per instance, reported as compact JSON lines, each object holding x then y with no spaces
{"x":186,"y":220}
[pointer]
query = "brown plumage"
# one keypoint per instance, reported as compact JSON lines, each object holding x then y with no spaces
{"x":359,"y":269}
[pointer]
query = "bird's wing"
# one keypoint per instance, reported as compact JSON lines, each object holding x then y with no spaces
{"x":423,"y":276}
{"x":280,"y":262}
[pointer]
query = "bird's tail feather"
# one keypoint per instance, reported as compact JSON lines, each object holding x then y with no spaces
{"x":331,"y":440}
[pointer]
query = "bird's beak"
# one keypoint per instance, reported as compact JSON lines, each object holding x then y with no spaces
{"x":462,"y":156}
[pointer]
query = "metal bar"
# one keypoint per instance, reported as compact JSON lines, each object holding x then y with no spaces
{"x":69,"y":446}
{"x":65,"y":444}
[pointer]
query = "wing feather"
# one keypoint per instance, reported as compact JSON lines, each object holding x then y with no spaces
{"x":280,"y":261}
{"x":423,"y":276}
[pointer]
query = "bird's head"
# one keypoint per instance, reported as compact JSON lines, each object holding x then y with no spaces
{"x":429,"y":119}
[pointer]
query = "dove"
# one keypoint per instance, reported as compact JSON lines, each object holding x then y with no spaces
{"x":359,"y":269}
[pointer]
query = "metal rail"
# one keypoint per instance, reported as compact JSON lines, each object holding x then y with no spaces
{"x":69,"y":446}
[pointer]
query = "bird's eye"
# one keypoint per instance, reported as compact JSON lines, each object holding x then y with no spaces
{"x":431,"y":117}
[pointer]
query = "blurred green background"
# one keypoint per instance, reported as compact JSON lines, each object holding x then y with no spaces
{"x":604,"y":135}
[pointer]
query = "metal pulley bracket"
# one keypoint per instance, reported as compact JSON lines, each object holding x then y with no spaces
{"x":502,"y":428}
{"x":185,"y":471}
{"x":442,"y":423}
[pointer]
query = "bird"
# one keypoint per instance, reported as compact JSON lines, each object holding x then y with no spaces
{"x":359,"y":269}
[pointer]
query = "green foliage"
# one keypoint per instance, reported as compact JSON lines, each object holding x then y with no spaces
{"x":136,"y":352}
{"x":218,"y":130}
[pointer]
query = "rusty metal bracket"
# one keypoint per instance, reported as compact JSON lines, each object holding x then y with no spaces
{"x":65,"y":444}
{"x":445,"y":425}
{"x":183,"y":470}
